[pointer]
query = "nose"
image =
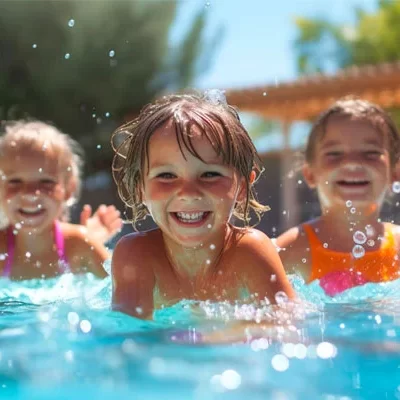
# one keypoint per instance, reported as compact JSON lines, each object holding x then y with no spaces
{"x":30,"y":192}
{"x":189,"y":191}
{"x":352,"y":162}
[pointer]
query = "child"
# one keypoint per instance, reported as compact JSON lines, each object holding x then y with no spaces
{"x":351,"y":156}
{"x":189,"y":163}
{"x":40,"y":180}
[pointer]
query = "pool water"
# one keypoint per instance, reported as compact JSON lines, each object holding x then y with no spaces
{"x":59,"y":340}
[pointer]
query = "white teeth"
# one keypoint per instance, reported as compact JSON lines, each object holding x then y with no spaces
{"x":190,"y":217}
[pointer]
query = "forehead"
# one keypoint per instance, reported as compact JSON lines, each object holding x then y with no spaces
{"x":28,"y":159}
{"x":343,"y":129}
{"x":164,"y":144}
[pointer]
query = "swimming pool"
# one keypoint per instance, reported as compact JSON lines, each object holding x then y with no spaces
{"x":61,"y":341}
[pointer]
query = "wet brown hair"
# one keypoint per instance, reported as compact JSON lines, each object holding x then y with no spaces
{"x":355,"y":108}
{"x":213,"y":117}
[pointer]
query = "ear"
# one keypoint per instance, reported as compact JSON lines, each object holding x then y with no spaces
{"x":309,"y":176}
{"x":243,"y":188}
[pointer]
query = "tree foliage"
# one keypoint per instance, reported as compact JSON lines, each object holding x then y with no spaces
{"x":322,"y":45}
{"x":85,"y":65}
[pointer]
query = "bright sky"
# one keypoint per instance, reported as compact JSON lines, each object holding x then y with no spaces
{"x":257,"y":46}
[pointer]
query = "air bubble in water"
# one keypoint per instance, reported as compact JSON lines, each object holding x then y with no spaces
{"x":28,"y":254}
{"x":111,"y":53}
{"x":358,"y":251}
{"x":348,"y":203}
{"x":67,"y":56}
{"x":396,"y":187}
{"x":371,"y":243}
{"x":352,"y":210}
{"x":325,"y":245}
{"x":34,"y":45}
{"x":359,"y":237}
{"x":71,"y":23}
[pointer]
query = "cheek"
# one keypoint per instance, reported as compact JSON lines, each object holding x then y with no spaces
{"x":157,"y":192}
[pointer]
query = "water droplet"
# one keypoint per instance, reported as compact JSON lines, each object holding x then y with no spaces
{"x":358,"y":251}
{"x":71,"y":23}
{"x":359,"y":237}
{"x":67,"y":56}
{"x":280,"y":362}
{"x":396,"y":187}
{"x":111,"y":53}
{"x":299,"y":181}
{"x":370,"y":230}
{"x":93,"y":115}
{"x":98,"y":146}
{"x":85,"y":326}
{"x":264,"y":93}
{"x":107,"y":114}
{"x":40,"y":170}
{"x":28,"y":254}
{"x":281,"y":297}
{"x":209,"y":226}
{"x":212,"y":246}
{"x":34,"y":46}
{"x":325,"y":245}
{"x":273,"y":278}
{"x":303,"y":260}
{"x":208,"y":262}
{"x":18,"y":225}
{"x":348,"y":203}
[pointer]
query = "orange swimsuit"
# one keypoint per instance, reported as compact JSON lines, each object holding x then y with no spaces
{"x":375,"y":266}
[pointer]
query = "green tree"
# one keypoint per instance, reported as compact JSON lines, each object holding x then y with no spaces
{"x":322,"y":46}
{"x":86,"y":65}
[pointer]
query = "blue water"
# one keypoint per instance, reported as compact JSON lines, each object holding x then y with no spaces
{"x":59,"y":340}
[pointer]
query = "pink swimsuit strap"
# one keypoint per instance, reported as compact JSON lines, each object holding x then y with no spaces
{"x":60,"y":246}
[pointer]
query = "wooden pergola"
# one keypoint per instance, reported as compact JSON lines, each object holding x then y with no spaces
{"x":305,"y":98}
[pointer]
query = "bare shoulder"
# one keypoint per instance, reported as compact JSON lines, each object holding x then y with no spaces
{"x":135,"y":249}
{"x":257,"y":260}
{"x":255,"y":245}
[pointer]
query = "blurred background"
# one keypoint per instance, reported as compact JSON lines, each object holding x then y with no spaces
{"x":89,"y":65}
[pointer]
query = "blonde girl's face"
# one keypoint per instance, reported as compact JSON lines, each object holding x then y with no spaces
{"x":33,"y":190}
{"x":189,"y":199}
{"x":351,"y":165}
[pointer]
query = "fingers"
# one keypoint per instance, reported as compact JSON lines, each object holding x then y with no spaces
{"x":110,"y":218}
{"x":85,"y":214}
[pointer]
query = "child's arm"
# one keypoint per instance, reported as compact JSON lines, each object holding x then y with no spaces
{"x":84,"y":253}
{"x":132,"y":277}
{"x":294,"y":251}
{"x":262,"y":267}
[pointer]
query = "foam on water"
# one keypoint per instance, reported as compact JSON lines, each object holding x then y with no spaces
{"x":59,"y":339}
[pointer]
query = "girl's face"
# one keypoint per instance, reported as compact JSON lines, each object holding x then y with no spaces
{"x":351,"y":163}
{"x":190,"y":200}
{"x":33,"y":189}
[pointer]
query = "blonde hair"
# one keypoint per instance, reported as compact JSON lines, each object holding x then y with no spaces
{"x":217,"y":121}
{"x":40,"y":136}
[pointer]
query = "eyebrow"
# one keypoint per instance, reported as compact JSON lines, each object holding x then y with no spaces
{"x":331,"y":143}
